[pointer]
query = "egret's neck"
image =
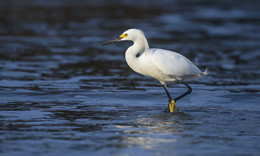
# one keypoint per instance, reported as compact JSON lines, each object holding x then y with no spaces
{"x":139,"y":46}
{"x":132,"y":54}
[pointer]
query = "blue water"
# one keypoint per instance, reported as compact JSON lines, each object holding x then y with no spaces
{"x":63,"y":94}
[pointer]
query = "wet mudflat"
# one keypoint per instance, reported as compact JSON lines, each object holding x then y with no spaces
{"x":62,"y":94}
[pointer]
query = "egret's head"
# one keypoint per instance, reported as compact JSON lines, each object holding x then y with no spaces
{"x":129,"y":35}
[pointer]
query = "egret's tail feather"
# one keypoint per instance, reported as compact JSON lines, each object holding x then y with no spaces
{"x":205,"y":73}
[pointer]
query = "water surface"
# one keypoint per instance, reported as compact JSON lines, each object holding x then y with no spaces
{"x":61,"y":93}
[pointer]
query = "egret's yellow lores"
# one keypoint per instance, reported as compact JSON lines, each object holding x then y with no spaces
{"x":163,"y":65}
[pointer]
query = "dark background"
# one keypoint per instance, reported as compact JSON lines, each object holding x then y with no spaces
{"x":61,"y":93}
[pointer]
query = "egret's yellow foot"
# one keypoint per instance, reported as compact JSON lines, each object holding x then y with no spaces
{"x":172,"y":106}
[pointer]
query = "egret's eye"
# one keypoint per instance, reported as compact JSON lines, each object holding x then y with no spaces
{"x":124,"y":35}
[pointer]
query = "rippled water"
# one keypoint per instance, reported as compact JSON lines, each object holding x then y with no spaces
{"x":62,"y":94}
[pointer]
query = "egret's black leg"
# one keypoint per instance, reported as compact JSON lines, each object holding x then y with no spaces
{"x":184,"y":94}
{"x":168,"y":94}
{"x":171,"y":101}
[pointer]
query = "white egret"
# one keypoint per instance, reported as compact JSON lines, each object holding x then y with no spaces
{"x":163,"y":65}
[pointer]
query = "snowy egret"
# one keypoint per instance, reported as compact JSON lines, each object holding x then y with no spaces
{"x":163,"y":65}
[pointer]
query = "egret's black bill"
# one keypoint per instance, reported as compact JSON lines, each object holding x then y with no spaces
{"x":110,"y":41}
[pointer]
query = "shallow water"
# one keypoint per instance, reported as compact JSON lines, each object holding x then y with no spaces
{"x":61,"y":93}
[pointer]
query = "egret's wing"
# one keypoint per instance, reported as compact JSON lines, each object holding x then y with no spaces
{"x":173,"y":64}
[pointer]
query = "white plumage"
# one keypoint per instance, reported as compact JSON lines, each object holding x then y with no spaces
{"x":163,"y":65}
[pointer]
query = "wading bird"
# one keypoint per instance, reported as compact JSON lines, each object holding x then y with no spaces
{"x":163,"y":65}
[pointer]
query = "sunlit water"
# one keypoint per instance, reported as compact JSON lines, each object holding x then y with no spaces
{"x":62,"y":94}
